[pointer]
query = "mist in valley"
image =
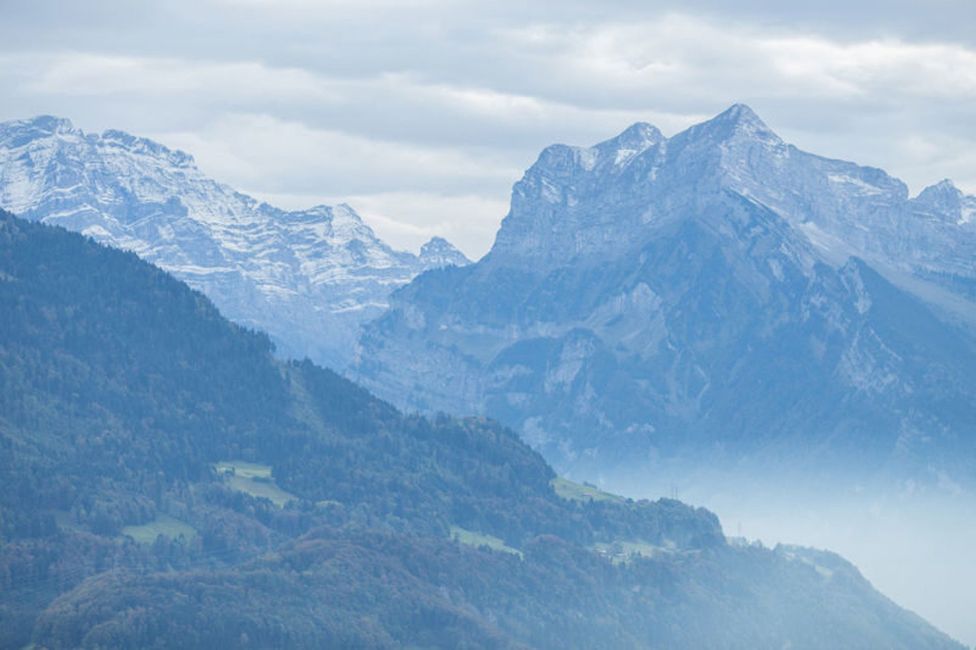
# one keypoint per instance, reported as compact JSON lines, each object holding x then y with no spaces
{"x":915,"y":542}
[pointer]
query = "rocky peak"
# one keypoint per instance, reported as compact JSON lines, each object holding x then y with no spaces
{"x":740,"y":116}
{"x":597,"y":200}
{"x":940,"y":192}
{"x":736,"y":124}
{"x":347,"y":225}
{"x":438,"y":252}
{"x":632,"y":142}
{"x":947,"y":203}
{"x":560,"y":160}
{"x":40,"y":125}
{"x":144,"y":146}
{"x":944,"y":195}
{"x":642,"y":301}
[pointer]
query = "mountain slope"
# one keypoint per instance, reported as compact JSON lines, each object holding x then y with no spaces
{"x":168,"y":483}
{"x":308,"y":278}
{"x":713,"y":297}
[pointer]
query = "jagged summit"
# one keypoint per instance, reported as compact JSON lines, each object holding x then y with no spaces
{"x":593,"y":201}
{"x":614,"y":153}
{"x":947,"y":184}
{"x":944,"y":190}
{"x":138,"y":144}
{"x":348,"y":225}
{"x":295,"y":274}
{"x":740,"y":114}
{"x":946,"y":201}
{"x":636,"y":138}
{"x":51,"y":125}
{"x":438,"y":252}
{"x":736,"y":123}
{"x":738,"y":119}
{"x":624,"y":305}
{"x":46,"y":123}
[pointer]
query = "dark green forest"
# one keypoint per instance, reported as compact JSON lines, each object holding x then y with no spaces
{"x":140,"y":432}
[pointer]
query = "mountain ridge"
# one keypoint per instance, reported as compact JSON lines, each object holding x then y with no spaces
{"x":307,"y":277}
{"x":641,"y":297}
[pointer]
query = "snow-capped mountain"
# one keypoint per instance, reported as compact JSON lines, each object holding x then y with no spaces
{"x":717,"y":293}
{"x":309,"y":278}
{"x":438,"y":253}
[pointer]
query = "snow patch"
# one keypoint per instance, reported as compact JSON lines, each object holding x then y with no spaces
{"x":967,"y":213}
{"x":846,"y":179}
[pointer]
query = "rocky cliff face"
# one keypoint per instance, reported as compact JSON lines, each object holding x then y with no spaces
{"x":715,"y":294}
{"x":309,"y":278}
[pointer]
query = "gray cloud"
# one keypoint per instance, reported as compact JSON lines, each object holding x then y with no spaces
{"x":423,"y":113}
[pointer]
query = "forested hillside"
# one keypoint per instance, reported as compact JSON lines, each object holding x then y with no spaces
{"x":168,"y":483}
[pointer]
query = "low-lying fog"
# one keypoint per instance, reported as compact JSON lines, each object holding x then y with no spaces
{"x":918,"y":547}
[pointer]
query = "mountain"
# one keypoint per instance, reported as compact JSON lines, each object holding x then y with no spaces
{"x":715,"y":299}
{"x":169,"y":483}
{"x":439,"y":253}
{"x":309,"y":278}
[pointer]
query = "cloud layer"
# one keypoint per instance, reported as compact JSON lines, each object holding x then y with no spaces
{"x":423,"y":113}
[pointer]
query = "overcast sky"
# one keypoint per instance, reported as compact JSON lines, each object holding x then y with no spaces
{"x":422,"y":113}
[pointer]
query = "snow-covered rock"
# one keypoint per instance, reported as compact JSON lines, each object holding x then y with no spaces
{"x":309,"y":278}
{"x":438,"y":253}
